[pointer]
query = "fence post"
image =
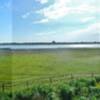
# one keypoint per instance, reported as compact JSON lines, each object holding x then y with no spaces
{"x":92,"y":75}
{"x":3,"y":87}
{"x":72,"y":77}
{"x":27,"y":84}
{"x":50,"y":79}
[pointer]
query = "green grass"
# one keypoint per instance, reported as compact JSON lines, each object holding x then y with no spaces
{"x":22,"y":65}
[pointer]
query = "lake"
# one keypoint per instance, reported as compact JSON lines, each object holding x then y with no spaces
{"x":46,"y":46}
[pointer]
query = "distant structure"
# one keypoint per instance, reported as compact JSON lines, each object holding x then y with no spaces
{"x":53,"y":42}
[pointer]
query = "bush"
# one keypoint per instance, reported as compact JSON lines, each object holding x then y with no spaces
{"x":66,"y":92}
{"x":5,"y":96}
{"x":95,"y":92}
{"x":97,"y":79}
{"x":25,"y":95}
{"x":91,"y":82}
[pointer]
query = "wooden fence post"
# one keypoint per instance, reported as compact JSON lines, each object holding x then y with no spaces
{"x":50,"y":79}
{"x":92,"y":75}
{"x":72,"y":77}
{"x":3,"y":87}
{"x":27,"y":85}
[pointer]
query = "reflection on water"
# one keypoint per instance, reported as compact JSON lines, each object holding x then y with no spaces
{"x":50,"y":46}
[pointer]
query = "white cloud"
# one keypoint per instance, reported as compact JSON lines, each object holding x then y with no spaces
{"x":41,"y":21}
{"x":55,"y":11}
{"x":24,"y":16}
{"x":27,"y":14}
{"x":84,"y":8}
{"x":86,"y":19}
{"x":62,"y":8}
{"x":42,"y":1}
{"x":90,"y":32}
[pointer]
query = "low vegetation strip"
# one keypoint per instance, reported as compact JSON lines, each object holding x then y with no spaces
{"x":7,"y":86}
{"x":76,"y":89}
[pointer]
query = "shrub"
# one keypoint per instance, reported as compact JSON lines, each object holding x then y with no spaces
{"x":91,"y":82}
{"x":66,"y":92}
{"x":5,"y":96}
{"x":97,"y":79}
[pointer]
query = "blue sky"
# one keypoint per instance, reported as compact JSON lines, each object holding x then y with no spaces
{"x":47,"y":20}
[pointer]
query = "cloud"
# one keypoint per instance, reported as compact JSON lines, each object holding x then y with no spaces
{"x":83,"y":9}
{"x":55,"y":11}
{"x":24,"y":16}
{"x":27,"y":14}
{"x":62,"y":8}
{"x":87,"y":19}
{"x":42,"y":1}
{"x":87,"y":33}
{"x":41,"y":21}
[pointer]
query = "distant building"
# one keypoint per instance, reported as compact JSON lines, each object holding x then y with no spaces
{"x":53,"y":42}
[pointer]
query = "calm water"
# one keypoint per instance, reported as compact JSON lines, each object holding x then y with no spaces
{"x":50,"y":46}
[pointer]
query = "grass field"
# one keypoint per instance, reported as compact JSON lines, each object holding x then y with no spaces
{"x":22,"y":65}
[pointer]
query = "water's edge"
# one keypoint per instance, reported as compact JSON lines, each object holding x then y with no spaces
{"x":49,"y":46}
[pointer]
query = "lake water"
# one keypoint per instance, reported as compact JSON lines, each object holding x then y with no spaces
{"x":50,"y":46}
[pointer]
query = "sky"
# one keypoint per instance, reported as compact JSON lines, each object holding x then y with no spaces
{"x":48,"y":20}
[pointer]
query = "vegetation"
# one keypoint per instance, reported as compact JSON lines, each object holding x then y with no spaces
{"x":29,"y":65}
{"x":81,"y":89}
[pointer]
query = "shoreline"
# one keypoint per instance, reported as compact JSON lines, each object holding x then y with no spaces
{"x":44,"y":49}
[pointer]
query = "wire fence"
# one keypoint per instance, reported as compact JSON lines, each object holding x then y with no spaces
{"x":54,"y":79}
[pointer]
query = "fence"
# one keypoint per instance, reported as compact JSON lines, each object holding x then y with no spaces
{"x":54,"y":79}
